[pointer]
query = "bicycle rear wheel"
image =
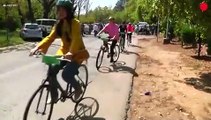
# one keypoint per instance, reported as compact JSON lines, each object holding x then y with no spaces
{"x":99,"y":59}
{"x":82,"y":78}
{"x":37,"y":107}
{"x":116,"y":53}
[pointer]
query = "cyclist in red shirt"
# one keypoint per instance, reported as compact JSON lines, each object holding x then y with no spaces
{"x":130,"y":30}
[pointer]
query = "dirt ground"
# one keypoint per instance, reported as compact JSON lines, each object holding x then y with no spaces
{"x":172,"y":83}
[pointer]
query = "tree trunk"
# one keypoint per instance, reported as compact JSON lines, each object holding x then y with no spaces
{"x":46,"y":12}
{"x":31,"y":14}
{"x":20,"y":14}
{"x":209,"y":40}
{"x":79,"y":11}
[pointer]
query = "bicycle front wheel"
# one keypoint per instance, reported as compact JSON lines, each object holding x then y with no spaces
{"x":116,"y":53}
{"x":37,"y":107}
{"x":99,"y":59}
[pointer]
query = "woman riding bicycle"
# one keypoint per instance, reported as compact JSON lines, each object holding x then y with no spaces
{"x":72,"y":47}
{"x":113,"y":31}
{"x":130,"y":30}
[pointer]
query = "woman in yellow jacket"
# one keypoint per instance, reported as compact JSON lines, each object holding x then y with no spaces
{"x":72,"y":46}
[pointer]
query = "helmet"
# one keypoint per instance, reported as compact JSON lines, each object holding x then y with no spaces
{"x":65,"y":3}
{"x":111,"y":18}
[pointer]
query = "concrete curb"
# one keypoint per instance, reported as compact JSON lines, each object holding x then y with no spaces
{"x":131,"y":85}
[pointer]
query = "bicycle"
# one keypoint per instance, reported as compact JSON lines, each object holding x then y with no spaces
{"x":122,"y":42}
{"x":103,"y":50}
{"x":42,"y":94}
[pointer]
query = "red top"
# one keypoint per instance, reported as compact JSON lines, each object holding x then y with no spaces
{"x":130,"y":28}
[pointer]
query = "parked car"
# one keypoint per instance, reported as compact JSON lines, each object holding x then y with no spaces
{"x":143,"y":28}
{"x":46,"y":25}
{"x":31,"y":31}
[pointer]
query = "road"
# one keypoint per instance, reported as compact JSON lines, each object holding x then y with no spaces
{"x":20,"y":75}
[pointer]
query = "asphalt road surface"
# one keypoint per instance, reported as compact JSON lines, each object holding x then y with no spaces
{"x":107,"y":93}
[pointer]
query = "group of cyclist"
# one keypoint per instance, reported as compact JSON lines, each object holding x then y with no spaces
{"x":72,"y":46}
{"x":115,"y":32}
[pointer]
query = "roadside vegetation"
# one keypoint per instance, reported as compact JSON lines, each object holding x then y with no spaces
{"x":13,"y":38}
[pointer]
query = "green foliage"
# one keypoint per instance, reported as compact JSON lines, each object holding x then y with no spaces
{"x":101,"y":14}
{"x":188,"y":34}
{"x":120,"y":17}
{"x":14,"y":38}
{"x":86,"y":19}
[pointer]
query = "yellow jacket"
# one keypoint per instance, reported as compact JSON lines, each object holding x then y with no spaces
{"x":76,"y":46}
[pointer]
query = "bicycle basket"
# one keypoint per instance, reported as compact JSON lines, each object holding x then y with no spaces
{"x":50,"y":59}
{"x":104,"y":37}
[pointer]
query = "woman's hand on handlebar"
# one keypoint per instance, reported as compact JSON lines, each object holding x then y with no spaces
{"x":68,"y":56}
{"x":35,"y":51}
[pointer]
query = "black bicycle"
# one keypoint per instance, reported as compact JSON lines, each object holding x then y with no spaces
{"x":104,"y":50}
{"x":122,"y":42}
{"x":38,"y":107}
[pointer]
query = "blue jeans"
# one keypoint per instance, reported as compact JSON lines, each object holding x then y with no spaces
{"x":70,"y":69}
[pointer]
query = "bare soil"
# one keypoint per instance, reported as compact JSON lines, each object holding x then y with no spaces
{"x":172,"y":84}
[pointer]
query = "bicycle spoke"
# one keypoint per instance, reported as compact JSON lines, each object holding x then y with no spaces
{"x":87,"y":107}
{"x":46,"y":102}
{"x":38,"y":101}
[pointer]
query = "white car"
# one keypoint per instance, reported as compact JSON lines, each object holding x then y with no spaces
{"x":46,"y":25}
{"x":31,"y":31}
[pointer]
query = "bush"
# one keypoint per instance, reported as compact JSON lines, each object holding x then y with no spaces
{"x":188,"y":34}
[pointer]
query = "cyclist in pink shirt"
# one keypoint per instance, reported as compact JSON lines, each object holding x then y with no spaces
{"x":130,"y":30}
{"x":112,"y":29}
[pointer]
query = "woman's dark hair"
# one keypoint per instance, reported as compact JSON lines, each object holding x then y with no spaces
{"x":70,"y":16}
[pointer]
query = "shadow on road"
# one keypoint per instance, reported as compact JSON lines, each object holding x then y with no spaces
{"x":105,"y":69}
{"x":130,"y":52}
{"x":203,"y":58}
{"x":118,"y":67}
{"x":202,"y":83}
{"x":136,"y":46}
{"x":122,"y":68}
{"x":86,"y":109}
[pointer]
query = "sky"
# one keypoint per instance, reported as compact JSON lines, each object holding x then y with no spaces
{"x":102,"y":3}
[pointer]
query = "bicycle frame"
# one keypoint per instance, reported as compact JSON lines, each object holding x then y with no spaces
{"x":58,"y":86}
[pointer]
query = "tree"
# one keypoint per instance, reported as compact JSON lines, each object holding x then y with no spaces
{"x":30,"y":12}
{"x":119,"y":5}
{"x":80,"y":5}
{"x":20,"y":12}
{"x":87,"y":6}
{"x":47,"y":6}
